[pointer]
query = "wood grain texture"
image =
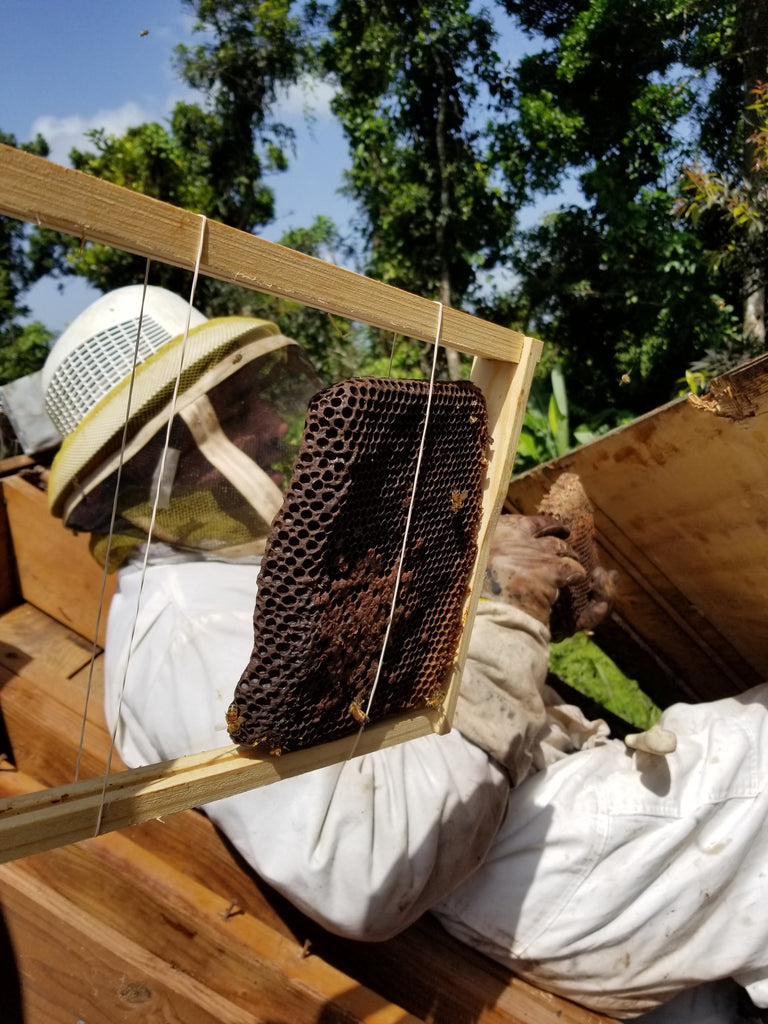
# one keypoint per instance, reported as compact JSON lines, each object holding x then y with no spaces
{"x":506,"y":388}
{"x":681,"y":510}
{"x":55,"y":569}
{"x":8,"y":579}
{"x":41,"y":192}
{"x":161,"y":922}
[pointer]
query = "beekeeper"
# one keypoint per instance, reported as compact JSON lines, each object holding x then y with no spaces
{"x":621,"y":879}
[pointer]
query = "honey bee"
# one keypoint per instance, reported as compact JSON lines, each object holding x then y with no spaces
{"x":457,"y":499}
{"x":234,"y":719}
{"x":436,"y":698}
{"x":358,"y":714}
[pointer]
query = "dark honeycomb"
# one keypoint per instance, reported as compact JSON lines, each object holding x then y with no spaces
{"x":328,"y":573}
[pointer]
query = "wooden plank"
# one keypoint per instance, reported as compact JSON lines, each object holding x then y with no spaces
{"x":24,"y":630}
{"x":9,"y":587}
{"x":36,"y":190}
{"x":441,"y":980}
{"x":69,"y":813}
{"x":425,"y":971}
{"x":55,"y":568}
{"x":123,"y":977}
{"x":121,"y":896}
{"x":681,"y":507}
{"x":506,"y":388}
{"x":14,"y":463}
{"x":47,"y":746}
{"x":149,"y":913}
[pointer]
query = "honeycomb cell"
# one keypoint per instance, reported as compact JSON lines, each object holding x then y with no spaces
{"x":327,"y":579}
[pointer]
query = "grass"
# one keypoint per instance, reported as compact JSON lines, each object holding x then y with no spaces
{"x":582,"y":665}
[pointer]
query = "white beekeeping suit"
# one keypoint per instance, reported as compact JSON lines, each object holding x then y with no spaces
{"x":615,"y":878}
{"x":621,"y":879}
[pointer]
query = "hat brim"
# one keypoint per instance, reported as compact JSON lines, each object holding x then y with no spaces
{"x":136,"y":408}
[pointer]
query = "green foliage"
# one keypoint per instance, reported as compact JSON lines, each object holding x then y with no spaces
{"x":160,"y":162}
{"x":581,"y":663}
{"x":212,"y":156}
{"x":332,"y":343}
{"x":447,"y":140}
{"x":734,"y":213}
{"x":546,"y":433}
{"x":620,"y":95}
{"x":413,"y":81}
{"x":695,"y":383}
{"x":23,"y":350}
{"x":254,"y":50}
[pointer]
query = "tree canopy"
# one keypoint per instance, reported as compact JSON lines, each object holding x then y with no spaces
{"x":23,"y":348}
{"x":617,"y":98}
{"x":646,"y":112}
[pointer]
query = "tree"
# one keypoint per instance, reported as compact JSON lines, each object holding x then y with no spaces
{"x":255,"y":49}
{"x":415,"y":83}
{"x":739,"y":209}
{"x":619,"y":95}
{"x":23,"y":347}
{"x":212,"y":158}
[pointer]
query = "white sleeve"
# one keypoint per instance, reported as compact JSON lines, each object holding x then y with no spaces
{"x":365,"y":847}
{"x":504,"y":704}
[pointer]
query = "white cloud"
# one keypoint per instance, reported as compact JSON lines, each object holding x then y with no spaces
{"x":310,"y":98}
{"x":309,"y":101}
{"x":65,"y":133}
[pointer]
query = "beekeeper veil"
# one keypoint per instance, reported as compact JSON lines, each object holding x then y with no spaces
{"x":237,"y":422}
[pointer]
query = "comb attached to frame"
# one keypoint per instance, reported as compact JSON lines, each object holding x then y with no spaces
{"x":35,"y":190}
{"x":327,"y":579}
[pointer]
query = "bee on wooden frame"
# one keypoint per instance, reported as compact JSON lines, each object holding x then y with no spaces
{"x":358,"y":714}
{"x":234,"y":719}
{"x":436,"y":698}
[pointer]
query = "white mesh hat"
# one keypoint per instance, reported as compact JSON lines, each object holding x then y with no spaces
{"x":96,"y":351}
{"x":236,"y":413}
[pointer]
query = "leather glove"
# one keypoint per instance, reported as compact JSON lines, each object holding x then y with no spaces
{"x":584,"y":604}
{"x":530,"y":562}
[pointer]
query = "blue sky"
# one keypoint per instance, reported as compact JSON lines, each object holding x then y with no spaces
{"x":71,"y":65}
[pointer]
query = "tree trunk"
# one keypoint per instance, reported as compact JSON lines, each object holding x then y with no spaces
{"x":753,"y":48}
{"x":451,"y":356}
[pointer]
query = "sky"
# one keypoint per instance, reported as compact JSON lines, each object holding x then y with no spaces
{"x":72,"y":65}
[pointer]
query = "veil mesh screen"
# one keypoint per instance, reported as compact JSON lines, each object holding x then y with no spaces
{"x":328,"y":574}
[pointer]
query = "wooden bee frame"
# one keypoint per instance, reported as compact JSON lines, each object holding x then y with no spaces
{"x":40,"y":192}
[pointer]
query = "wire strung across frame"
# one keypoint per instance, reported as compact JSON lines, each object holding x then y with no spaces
{"x":155,"y":503}
{"x":156,"y":500}
{"x":113,"y":516}
{"x":396,"y":588}
{"x":407,"y":530}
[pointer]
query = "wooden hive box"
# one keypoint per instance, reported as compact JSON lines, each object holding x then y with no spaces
{"x":680,"y":500}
